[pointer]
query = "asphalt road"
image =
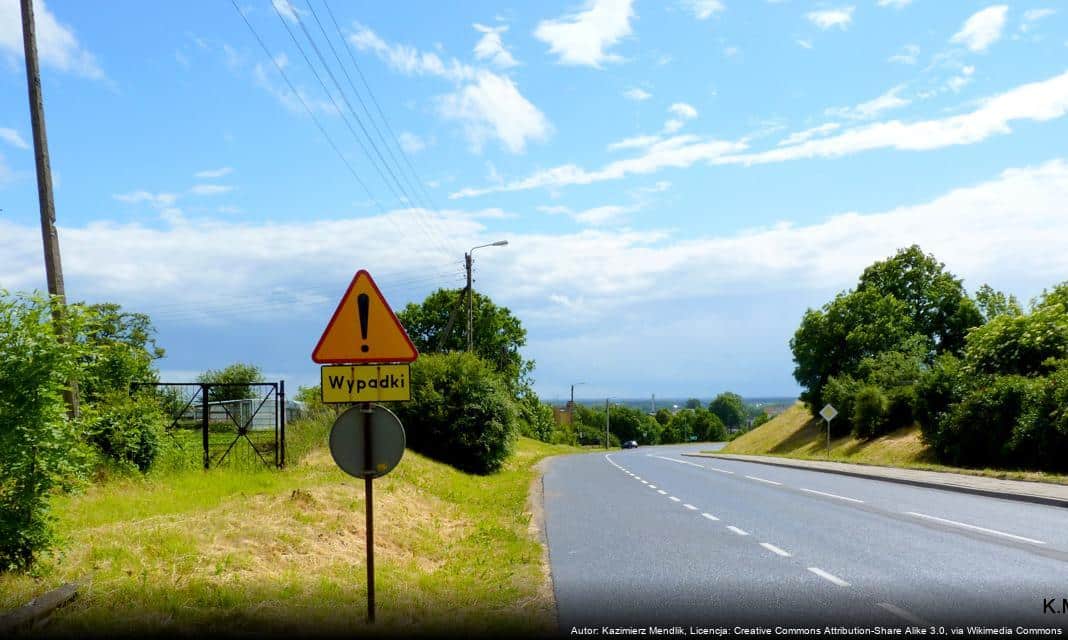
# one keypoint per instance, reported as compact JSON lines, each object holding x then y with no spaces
{"x":648,"y":537}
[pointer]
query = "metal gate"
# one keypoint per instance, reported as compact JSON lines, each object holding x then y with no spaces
{"x":235,"y":422}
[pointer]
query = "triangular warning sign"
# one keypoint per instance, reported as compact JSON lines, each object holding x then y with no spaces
{"x":364,"y":329}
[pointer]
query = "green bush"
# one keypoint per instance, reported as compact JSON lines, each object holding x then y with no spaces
{"x":461,"y":412}
{"x":977,"y":431}
{"x":839,"y":392}
{"x":126,"y":429}
{"x":1040,"y":437}
{"x":870,"y":412}
{"x":535,"y":417}
{"x":40,"y":451}
{"x":938,"y":388}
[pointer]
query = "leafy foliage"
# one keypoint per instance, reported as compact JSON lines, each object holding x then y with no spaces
{"x":1021,"y":344}
{"x":461,"y":412}
{"x":237,"y":374}
{"x":126,"y":429}
{"x":870,"y":411}
{"x":40,"y":450}
{"x":497,"y":335}
{"x":120,"y":348}
{"x":729,"y":408}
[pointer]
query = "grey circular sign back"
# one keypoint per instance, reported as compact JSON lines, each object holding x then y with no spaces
{"x":347,"y":441}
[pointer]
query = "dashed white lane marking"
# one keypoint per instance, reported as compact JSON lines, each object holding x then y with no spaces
{"x":772,"y":548}
{"x":678,"y":461}
{"x":831,"y":495}
{"x":690,"y":507}
{"x":830,"y":577}
{"x":975,"y":528}
{"x":763,"y":480}
{"x":674,"y":498}
{"x":721,"y":470}
{"x":710,"y":516}
{"x":739,"y":531}
{"x":652,"y":486}
{"x":644,"y":482}
{"x":901,"y":613}
{"x":638,"y":478}
{"x":661,"y":492}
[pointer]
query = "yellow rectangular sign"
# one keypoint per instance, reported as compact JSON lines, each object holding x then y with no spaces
{"x":366,"y":383}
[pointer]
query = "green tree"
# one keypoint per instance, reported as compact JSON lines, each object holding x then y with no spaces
{"x":121,"y":348}
{"x":729,"y":408}
{"x":497,"y":334}
{"x":708,"y":427}
{"x":41,"y":451}
{"x":663,"y":417}
{"x":693,"y":403}
{"x":934,"y":298}
{"x":834,"y":340}
{"x":1026,"y":344}
{"x":993,"y":303}
{"x":235,"y":374}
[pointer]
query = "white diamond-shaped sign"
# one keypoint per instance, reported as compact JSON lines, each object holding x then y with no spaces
{"x":828,"y":413}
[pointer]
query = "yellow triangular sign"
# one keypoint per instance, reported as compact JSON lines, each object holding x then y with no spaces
{"x":364,"y":329}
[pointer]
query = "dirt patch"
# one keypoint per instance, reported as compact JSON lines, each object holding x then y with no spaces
{"x":536,"y":527}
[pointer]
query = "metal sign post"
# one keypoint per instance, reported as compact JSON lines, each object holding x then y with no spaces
{"x":828,"y":413}
{"x":367,"y":441}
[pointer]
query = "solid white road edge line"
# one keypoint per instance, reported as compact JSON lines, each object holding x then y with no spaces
{"x":905,"y":615}
{"x":830,"y":577}
{"x":831,"y":495}
{"x":973,"y":527}
{"x":772,"y":548}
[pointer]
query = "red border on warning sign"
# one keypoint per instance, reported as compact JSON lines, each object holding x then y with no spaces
{"x":337,"y":311}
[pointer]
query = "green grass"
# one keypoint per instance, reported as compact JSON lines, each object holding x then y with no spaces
{"x":256,"y":549}
{"x":796,"y":434}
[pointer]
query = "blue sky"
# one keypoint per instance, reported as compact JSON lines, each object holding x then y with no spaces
{"x":678,"y":181}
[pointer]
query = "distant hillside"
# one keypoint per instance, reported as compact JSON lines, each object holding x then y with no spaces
{"x":796,"y":434}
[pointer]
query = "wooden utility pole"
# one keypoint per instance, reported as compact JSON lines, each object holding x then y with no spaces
{"x":470,"y":305}
{"x":53,"y":265}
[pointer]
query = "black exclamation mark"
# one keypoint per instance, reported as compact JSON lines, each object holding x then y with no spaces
{"x":363,"y":304}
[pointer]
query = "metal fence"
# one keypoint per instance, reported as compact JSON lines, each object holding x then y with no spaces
{"x":227,"y":422}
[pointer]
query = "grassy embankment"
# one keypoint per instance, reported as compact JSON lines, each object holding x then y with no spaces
{"x":795,"y":434}
{"x":256,"y":549}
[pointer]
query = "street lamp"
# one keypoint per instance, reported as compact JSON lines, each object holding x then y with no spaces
{"x":470,"y":292}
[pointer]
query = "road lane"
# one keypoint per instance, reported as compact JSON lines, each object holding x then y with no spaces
{"x":620,"y":551}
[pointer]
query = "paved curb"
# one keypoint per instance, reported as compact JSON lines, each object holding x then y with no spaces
{"x":992,"y":493}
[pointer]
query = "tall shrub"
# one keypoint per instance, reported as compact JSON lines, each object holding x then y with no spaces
{"x":40,"y":449}
{"x":461,"y":412}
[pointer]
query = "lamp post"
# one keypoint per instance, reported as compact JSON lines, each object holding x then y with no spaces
{"x":470,"y":291}
{"x":607,"y":418}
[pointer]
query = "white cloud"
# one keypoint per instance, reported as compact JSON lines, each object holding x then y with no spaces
{"x":1037,"y":101}
{"x":829,"y":18}
{"x":1031,"y":16}
{"x":491,"y":47}
{"x":637,"y":94}
{"x":411,"y":143}
{"x":210,"y":189}
{"x":801,"y":136}
{"x":492,"y":107}
{"x":294,"y":103}
{"x":678,"y":151}
{"x":594,"y":216}
{"x":214,"y":173}
{"x":13,"y":138}
{"x":673,"y":125}
{"x":804,"y":44}
{"x":7,"y":175}
{"x":583,"y":37}
{"x":957,"y":82}
{"x":636,"y":142}
{"x":872,"y":108}
{"x":141,"y":196}
{"x":683,"y":110}
{"x":984,"y":231}
{"x":286,"y":8}
{"x":703,"y":9}
{"x":486,"y":104}
{"x":982,"y":29}
{"x":908,"y":55}
{"x":896,"y":4}
{"x":57,"y":46}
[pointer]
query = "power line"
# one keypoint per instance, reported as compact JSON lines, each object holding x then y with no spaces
{"x":393,"y":136}
{"x":402,"y":196}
